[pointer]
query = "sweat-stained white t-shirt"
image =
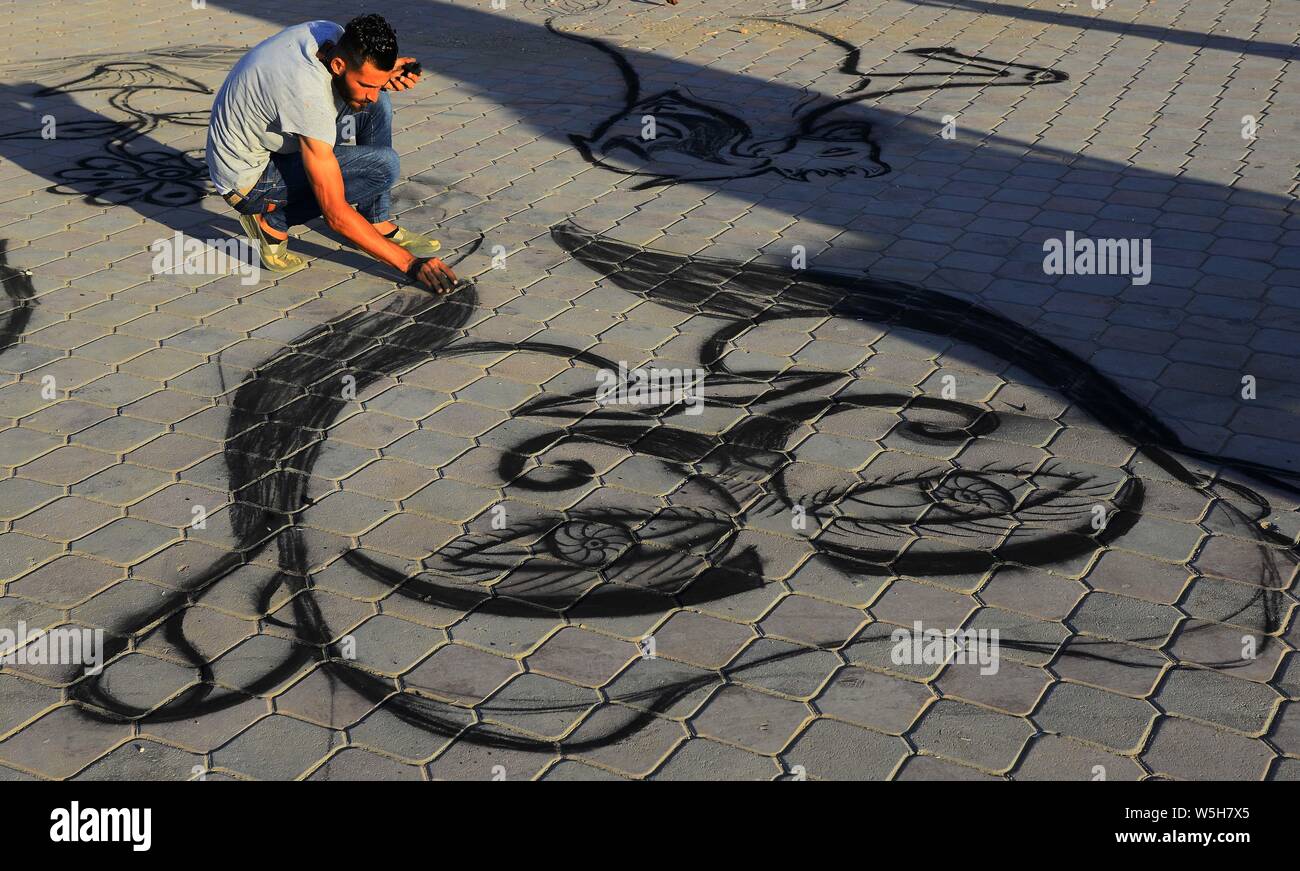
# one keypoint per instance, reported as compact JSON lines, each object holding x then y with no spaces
{"x":278,"y":91}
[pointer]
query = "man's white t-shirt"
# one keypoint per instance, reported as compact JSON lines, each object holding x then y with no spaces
{"x":277,"y":91}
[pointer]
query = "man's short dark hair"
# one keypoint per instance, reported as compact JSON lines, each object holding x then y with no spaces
{"x":369,"y":38}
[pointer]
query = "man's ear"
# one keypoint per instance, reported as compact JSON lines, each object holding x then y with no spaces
{"x":338,"y":65}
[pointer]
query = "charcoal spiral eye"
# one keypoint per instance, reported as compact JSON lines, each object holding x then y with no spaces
{"x":963,"y":491}
{"x":589,"y":543}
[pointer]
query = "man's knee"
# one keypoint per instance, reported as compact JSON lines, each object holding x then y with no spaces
{"x":377,"y":166}
{"x":388,"y":163}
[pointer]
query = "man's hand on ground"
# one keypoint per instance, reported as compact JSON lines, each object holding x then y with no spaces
{"x":402,"y":80}
{"x":433,"y":274}
{"x":326,"y":181}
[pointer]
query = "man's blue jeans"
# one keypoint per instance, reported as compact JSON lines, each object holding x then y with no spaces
{"x":370,"y":169}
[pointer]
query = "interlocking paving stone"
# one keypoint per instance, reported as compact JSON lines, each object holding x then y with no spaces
{"x":124,"y":541}
{"x":1032,"y":592}
{"x":1132,"y":575}
{"x":19,"y":496}
{"x":1217,"y":698}
{"x":1286,"y":730}
{"x":700,"y":640}
{"x":1286,"y":769}
{"x":525,"y":628}
{"x":640,"y":753}
{"x":702,"y":759}
{"x":386,"y":730}
{"x":1014,"y":688}
{"x":571,"y":769}
{"x":1191,"y":751}
{"x":753,"y":720}
{"x":867,"y":698}
{"x":465,"y":760}
{"x":931,"y":768}
{"x":1125,"y":619}
{"x":391,"y":646}
{"x":66,"y":742}
{"x":807,"y":620}
{"x":354,"y":764}
{"x":874,"y":647}
{"x":582,"y":657}
{"x":323,"y":698}
{"x":1249,"y":655}
{"x":1111,"y":720}
{"x":1287,"y":679}
{"x":1052,"y":757}
{"x":24,"y":700}
{"x":838,"y":751}
{"x":143,"y":681}
{"x":540,"y":705}
{"x":248,"y":664}
{"x":668,"y":688}
{"x":971,"y":735}
{"x":1123,"y":668}
{"x":276,"y":748}
{"x":462,"y":674}
{"x":783,"y":668}
{"x":144,"y":760}
{"x":904,"y":602}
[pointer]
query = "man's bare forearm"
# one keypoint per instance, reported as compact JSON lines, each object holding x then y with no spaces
{"x":347,"y":222}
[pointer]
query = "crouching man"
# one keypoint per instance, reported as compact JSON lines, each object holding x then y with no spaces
{"x":302,"y":128}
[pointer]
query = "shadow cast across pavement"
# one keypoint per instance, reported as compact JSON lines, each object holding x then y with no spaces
{"x":815,"y":147}
{"x":818,"y":144}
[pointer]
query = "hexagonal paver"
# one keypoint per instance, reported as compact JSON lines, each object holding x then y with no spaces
{"x":276,"y":748}
{"x":469,"y":760}
{"x":62,"y":742}
{"x":837,"y":751}
{"x":702,"y":759}
{"x":145,"y":760}
{"x":582,"y":657}
{"x":869,"y":698}
{"x":783,"y":668}
{"x":142,"y":681}
{"x":540,"y":705}
{"x":813,"y":622}
{"x":461,"y":674}
{"x":700,"y":640}
{"x":972,"y":735}
{"x":753,"y":720}
{"x":1192,"y":751}
{"x":1219,"y":698}
{"x":391,"y":646}
{"x":1052,"y":757}
{"x":354,"y":764}
{"x":624,"y":739}
{"x":1103,"y":718}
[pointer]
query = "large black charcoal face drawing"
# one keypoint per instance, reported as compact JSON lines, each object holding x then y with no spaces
{"x":707,"y":137}
{"x":916,"y":512}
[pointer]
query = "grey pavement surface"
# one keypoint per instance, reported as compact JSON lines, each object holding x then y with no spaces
{"x":328,"y":526}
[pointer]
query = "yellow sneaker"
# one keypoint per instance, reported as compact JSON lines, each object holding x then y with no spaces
{"x":420,"y":246}
{"x":275,"y":255}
